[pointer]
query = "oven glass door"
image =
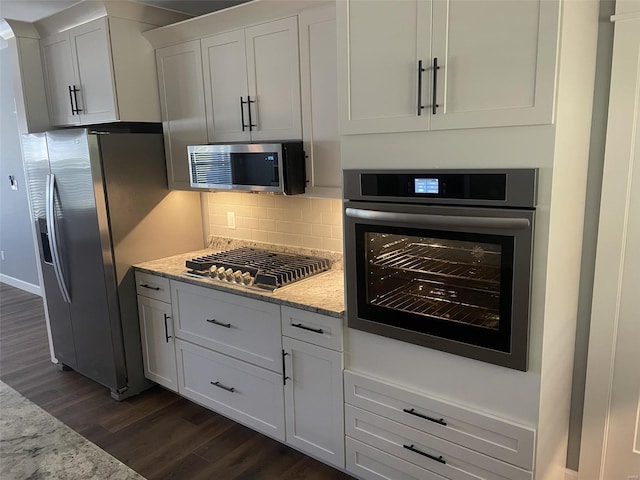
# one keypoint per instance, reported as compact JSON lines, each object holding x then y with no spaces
{"x":447,"y":280}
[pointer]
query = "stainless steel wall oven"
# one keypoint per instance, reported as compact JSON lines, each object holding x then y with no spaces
{"x":442,"y":258}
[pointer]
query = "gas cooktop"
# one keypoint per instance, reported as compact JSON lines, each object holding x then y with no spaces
{"x":254,"y":267}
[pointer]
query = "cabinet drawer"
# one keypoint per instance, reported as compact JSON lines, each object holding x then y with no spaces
{"x":243,"y":392}
{"x":483,"y":433}
{"x":237,"y":326}
{"x":153,"y":286}
{"x":370,"y":463}
{"x":312,"y":327}
{"x":432,"y":453}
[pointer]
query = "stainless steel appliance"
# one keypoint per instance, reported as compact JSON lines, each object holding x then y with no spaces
{"x":255,"y":267}
{"x":442,"y":258}
{"x":256,"y":167}
{"x":100,"y":203}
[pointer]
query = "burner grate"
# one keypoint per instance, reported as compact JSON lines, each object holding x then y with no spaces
{"x":268,"y":269}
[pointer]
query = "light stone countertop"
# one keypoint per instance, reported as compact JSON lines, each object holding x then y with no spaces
{"x":36,"y":445}
{"x":322,"y":293}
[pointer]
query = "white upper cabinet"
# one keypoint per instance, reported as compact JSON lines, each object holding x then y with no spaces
{"x":252,"y":83}
{"x":379,"y":46}
{"x":225,"y":86}
{"x":445,"y":64}
{"x":59,"y":77}
{"x":319,"y":85}
{"x":183,"y":112}
{"x":78,"y":75}
{"x":101,"y":70}
{"x":95,"y":98}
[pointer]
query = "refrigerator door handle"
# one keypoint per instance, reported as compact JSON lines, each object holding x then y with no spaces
{"x":53,"y":236}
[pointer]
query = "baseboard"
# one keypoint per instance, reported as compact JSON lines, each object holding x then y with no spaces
{"x":21,"y":284}
{"x":570,"y":474}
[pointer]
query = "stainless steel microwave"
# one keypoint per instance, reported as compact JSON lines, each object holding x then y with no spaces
{"x":254,"y":167}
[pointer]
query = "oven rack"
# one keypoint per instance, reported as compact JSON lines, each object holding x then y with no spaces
{"x":433,"y":299}
{"x":451,"y":262}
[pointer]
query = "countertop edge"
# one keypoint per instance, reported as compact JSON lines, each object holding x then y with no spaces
{"x":267,"y":297}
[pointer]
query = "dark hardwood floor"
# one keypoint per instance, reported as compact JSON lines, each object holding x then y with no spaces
{"x":158,"y":434}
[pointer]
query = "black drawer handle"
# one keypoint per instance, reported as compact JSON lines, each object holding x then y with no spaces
{"x":435,"y":420}
{"x":315,"y":330}
{"x":150,"y":287}
{"x":219,"y":385}
{"x":432,"y":457}
{"x":215,"y":322}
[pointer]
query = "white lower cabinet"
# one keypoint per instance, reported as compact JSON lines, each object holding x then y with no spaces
{"x":156,"y":330}
{"x":241,"y":391}
{"x":158,"y":348}
{"x":397,"y":433}
{"x":314,"y":400}
{"x":227,"y":352}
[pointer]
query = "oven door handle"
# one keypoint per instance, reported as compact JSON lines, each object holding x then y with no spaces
{"x":441,"y":221}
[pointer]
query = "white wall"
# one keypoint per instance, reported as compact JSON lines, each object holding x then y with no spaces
{"x":19,"y":265}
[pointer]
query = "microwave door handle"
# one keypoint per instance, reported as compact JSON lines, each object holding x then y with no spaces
{"x":441,"y":221}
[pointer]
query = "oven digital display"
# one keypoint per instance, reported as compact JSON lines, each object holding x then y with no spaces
{"x":426,"y":185}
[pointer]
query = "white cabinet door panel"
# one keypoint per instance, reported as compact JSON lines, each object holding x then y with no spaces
{"x":319,"y":84}
{"x":225,"y":83}
{"x":246,"y":393}
{"x":59,"y":77}
{"x":158,"y":345}
{"x":181,"y":102}
{"x":273,"y":69}
{"x":497,"y":62}
{"x":94,"y":72}
{"x":314,"y":400}
{"x":379,"y":61}
{"x":242,"y":327}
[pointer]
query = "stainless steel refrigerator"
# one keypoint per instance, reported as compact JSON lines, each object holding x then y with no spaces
{"x":100,"y":204}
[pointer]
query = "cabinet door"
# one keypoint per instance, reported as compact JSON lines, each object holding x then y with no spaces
{"x":57,"y":67}
{"x":497,"y":62}
{"x":158,"y":348}
{"x":319,"y":85}
{"x":91,"y":53}
{"x":314,"y":400}
{"x":182,"y":106}
{"x":380,"y":45}
{"x":225,"y":87}
{"x":273,"y":71}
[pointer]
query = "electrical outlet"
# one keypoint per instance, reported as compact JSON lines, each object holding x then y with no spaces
{"x":231,"y":220}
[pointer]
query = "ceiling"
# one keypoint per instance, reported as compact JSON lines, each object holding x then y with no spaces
{"x":32,"y":10}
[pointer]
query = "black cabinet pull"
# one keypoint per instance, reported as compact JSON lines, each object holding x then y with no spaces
{"x":215,"y":322}
{"x":303,"y":327}
{"x":434,"y":105}
{"x":166,"y":328}
{"x":432,"y":457}
{"x":75,"y":91}
{"x":420,"y":70}
{"x":249,"y":102}
{"x":242,"y":102}
{"x":73,"y":110}
{"x":144,"y":285}
{"x":435,"y":420}
{"x":219,"y":385}
{"x":284,"y":371}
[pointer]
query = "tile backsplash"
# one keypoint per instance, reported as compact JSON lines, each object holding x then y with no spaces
{"x":294,"y":221}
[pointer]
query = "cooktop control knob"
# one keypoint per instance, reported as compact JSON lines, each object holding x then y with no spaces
{"x":246,"y":278}
{"x":220,"y":273}
{"x":237,"y":276}
{"x":228,"y":273}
